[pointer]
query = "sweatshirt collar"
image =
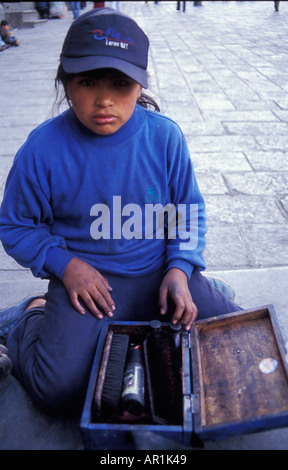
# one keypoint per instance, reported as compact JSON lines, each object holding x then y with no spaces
{"x":124,"y":133}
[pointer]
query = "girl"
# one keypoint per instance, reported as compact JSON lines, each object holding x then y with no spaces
{"x":103,"y":201}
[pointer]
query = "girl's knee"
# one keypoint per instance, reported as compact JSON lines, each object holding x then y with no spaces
{"x":61,"y":397}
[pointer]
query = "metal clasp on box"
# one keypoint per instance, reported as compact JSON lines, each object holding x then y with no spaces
{"x":191,"y":404}
{"x":195,"y":403}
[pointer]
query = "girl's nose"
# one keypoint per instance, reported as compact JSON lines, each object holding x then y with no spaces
{"x":103,"y":96}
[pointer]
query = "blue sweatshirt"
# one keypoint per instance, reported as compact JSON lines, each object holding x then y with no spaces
{"x":72,"y":193}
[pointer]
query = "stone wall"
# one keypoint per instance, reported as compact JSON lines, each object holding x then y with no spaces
{"x":19,"y":14}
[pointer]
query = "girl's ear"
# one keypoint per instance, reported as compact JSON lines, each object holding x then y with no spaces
{"x":140,"y":91}
{"x":67,"y":92}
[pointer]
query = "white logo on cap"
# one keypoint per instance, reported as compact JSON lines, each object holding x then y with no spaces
{"x":112,"y":38}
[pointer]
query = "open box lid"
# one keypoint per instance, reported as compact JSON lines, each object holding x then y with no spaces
{"x":239,"y":374}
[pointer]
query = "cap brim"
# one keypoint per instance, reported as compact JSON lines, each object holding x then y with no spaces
{"x":85,"y":64}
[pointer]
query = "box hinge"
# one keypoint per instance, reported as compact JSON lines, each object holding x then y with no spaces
{"x":195,"y":406}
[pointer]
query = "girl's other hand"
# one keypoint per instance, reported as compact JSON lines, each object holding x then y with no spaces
{"x":82,"y":280}
{"x":175,"y":287}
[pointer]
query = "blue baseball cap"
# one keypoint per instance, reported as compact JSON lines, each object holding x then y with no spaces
{"x":106,"y":38}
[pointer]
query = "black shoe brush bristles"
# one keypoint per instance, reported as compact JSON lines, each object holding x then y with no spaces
{"x":110,"y":378}
{"x":164,"y":379}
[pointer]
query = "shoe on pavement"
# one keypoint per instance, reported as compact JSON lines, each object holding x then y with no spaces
{"x":6,"y":365}
{"x":10,"y":316}
{"x":222,"y":286}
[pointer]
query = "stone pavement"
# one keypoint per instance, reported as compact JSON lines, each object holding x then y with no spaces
{"x":221,"y":71}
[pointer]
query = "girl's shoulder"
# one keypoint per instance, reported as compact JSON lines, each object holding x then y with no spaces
{"x":49,"y":126}
{"x":157,"y":117}
{"x":42,"y":140}
{"x":167,"y":125}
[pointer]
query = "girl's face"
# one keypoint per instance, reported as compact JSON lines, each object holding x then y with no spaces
{"x":103,"y":100}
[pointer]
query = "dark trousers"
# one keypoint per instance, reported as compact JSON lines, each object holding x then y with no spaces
{"x":178,"y":6}
{"x":53,"y":349}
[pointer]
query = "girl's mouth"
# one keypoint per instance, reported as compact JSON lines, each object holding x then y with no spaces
{"x":104,"y":118}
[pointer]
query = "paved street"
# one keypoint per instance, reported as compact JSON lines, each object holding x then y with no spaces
{"x":221,"y":71}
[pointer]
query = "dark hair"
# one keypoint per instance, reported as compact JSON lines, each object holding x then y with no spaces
{"x":4,"y":23}
{"x":63,"y":78}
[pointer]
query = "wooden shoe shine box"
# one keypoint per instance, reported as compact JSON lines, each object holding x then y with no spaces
{"x":233,"y":379}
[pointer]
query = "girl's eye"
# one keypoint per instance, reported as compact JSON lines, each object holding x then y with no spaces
{"x":87,"y":82}
{"x":121,"y":82}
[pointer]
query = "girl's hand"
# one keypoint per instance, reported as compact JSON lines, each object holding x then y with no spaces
{"x":175,"y":286}
{"x":82,"y":280}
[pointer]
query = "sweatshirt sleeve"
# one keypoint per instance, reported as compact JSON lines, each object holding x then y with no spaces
{"x":25,"y":225}
{"x":186,"y":243}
